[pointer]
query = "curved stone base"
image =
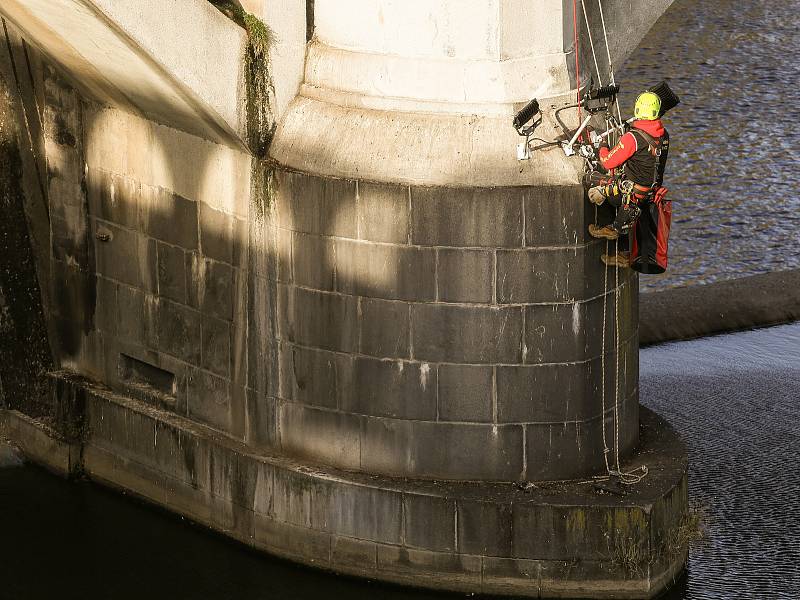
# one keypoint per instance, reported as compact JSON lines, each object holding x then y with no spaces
{"x":554,"y":539}
{"x":719,"y":307}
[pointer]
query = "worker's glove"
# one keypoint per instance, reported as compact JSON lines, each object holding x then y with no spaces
{"x":596,"y":196}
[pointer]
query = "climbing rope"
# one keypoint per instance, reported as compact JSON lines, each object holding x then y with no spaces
{"x":591,"y":45}
{"x":577,"y":55}
{"x":635,"y":475}
{"x":608,"y":53}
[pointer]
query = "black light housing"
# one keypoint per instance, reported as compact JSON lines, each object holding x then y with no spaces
{"x":526,"y":113}
{"x":607,"y":91}
{"x":669,"y":99}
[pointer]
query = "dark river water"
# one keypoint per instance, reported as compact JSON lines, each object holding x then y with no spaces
{"x":735,"y":399}
{"x":734,"y":144}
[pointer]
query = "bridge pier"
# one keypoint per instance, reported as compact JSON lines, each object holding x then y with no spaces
{"x":390,"y":349}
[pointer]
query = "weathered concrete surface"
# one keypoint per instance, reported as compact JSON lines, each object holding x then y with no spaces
{"x":40,"y":443}
{"x":138,"y":56}
{"x":24,"y":349}
{"x":697,"y":311}
{"x":556,"y":540}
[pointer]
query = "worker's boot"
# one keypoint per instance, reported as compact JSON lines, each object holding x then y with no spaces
{"x":596,"y":195}
{"x":620,"y":259}
{"x":606,"y":233}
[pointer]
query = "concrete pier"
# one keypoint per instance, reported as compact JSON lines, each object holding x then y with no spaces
{"x":384,"y":348}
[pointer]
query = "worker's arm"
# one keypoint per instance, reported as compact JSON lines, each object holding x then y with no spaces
{"x":625,"y":148}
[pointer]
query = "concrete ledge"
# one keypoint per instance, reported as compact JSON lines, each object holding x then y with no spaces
{"x":40,"y":443}
{"x":554,"y":539}
{"x":696,"y":311}
{"x":149,"y":58}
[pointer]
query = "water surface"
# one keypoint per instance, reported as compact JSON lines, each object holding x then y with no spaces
{"x":734,"y":143}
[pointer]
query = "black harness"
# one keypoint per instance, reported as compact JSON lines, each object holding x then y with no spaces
{"x":646,"y":167}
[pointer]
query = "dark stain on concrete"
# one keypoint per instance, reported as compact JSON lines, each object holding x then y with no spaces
{"x":24,"y":349}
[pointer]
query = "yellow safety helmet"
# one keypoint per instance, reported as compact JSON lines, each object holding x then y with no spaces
{"x":648,"y":106}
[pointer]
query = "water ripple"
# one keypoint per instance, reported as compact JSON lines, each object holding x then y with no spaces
{"x":736,"y":400}
{"x":733,"y":162}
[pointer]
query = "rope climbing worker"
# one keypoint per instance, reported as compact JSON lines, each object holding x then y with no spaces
{"x":632,"y":184}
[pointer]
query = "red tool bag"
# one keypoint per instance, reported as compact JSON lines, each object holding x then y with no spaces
{"x":650,"y":239}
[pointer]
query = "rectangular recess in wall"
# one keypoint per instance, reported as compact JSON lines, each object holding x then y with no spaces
{"x":146,"y":376}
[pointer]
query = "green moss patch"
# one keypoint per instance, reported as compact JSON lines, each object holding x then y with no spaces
{"x":260,"y":88}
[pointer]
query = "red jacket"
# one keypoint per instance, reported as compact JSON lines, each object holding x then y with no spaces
{"x":627,"y":145}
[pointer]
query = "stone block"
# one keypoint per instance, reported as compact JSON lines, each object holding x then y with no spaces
{"x":178,"y":331}
{"x":465,"y":393}
{"x":216,"y":346}
{"x":117,"y":258}
{"x":69,"y":239}
{"x":490,"y":217}
{"x":262,"y":420}
{"x":171,"y":272}
{"x":210,"y":286}
{"x":433,"y":569}
{"x":429,"y":522}
{"x":147,"y":259}
{"x":392,"y":389}
{"x":312,"y":547}
{"x":442,"y":450}
{"x":566,"y":450}
{"x":621,"y":377}
{"x":64,"y":163}
{"x":65,"y":200}
{"x":465,"y":275}
{"x":216,"y":234}
{"x":298,"y":499}
{"x":241,"y":242}
{"x":107,"y":312}
{"x":262,"y":336}
{"x":209,"y":400}
{"x":318,"y":319}
{"x":365,"y":512}
{"x":332,"y":437}
{"x":282,"y":258}
{"x":314,"y":377}
{"x":168,"y":217}
{"x":549,"y":274}
{"x":511,"y":575}
{"x":351,"y":553}
{"x":568,"y":533}
{"x":265,"y":242}
{"x":130,"y":307}
{"x":113,"y":198}
{"x":446,"y":333}
{"x":557,"y":216}
{"x":385,"y":271}
{"x":316,"y":204}
{"x":385,"y":328}
{"x":544,"y":393}
{"x":484,"y":528}
{"x":383,"y":212}
{"x":313,"y":261}
{"x":567,"y":332}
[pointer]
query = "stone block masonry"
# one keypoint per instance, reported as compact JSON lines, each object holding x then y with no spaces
{"x":414,"y":324}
